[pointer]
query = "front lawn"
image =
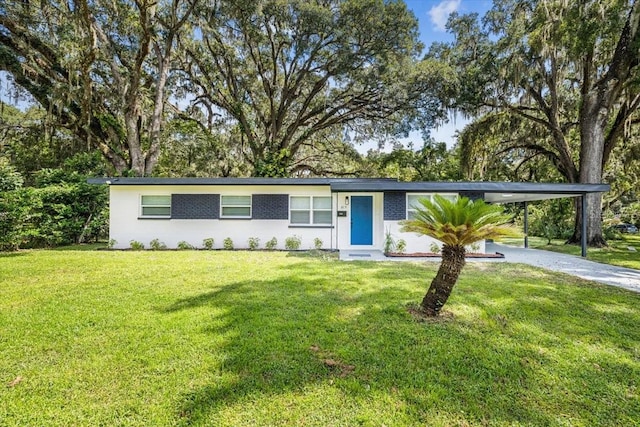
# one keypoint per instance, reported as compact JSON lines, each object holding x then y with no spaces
{"x":275,"y":339}
{"x":617,"y":253}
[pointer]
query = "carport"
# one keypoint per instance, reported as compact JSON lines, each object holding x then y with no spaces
{"x":492,"y":192}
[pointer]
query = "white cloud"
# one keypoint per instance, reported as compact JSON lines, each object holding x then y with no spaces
{"x":440,"y":13}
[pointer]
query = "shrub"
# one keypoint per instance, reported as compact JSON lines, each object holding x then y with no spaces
{"x":136,"y":246}
{"x":475,"y":247}
{"x":292,"y":243}
{"x":389,"y":243}
{"x":271,"y":244}
{"x":401,"y":246}
{"x":435,"y":248}
{"x":254,"y":243}
{"x":111,"y":243}
{"x":157,"y":245}
{"x":317,"y":243}
{"x":611,"y":233}
{"x":227,"y":244}
{"x":10,"y":178}
{"x":58,"y":214}
{"x":551,"y":219}
{"x":183,"y":245}
{"x":208,"y":243}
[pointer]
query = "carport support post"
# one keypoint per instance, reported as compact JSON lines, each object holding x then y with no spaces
{"x":526,"y":225}
{"x":583,"y":239}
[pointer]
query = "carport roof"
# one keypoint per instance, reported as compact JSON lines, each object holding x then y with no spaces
{"x":495,"y":192}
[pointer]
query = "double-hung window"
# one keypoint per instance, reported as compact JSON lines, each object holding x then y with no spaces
{"x":155,"y":206}
{"x":235,"y":207}
{"x":413,"y":202}
{"x":310,"y":210}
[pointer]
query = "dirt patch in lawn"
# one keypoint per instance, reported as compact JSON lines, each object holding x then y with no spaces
{"x":416,"y":312}
{"x":337,"y":367}
{"x":434,"y":255}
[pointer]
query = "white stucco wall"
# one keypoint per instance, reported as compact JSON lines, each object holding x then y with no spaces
{"x":418,"y":243}
{"x":125,"y":224}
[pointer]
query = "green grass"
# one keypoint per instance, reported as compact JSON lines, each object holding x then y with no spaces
{"x":617,"y":253}
{"x":273,"y":339}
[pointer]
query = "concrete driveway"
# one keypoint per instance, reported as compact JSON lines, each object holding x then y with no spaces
{"x":603,"y":273}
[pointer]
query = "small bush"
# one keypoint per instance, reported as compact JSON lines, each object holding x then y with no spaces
{"x":157,"y":245}
{"x":227,"y":244}
{"x":611,"y":233}
{"x":208,"y":243}
{"x":254,"y":243}
{"x":435,"y":248}
{"x":271,"y":244}
{"x":389,"y":243}
{"x":475,"y":247}
{"x":183,"y":246}
{"x":136,"y":246}
{"x":111,"y":243}
{"x":292,"y":243}
{"x":401,"y":246}
{"x":317,"y":243}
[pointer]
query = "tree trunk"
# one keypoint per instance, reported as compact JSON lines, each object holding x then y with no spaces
{"x":446,"y":278}
{"x":594,"y":222}
{"x":592,"y":127}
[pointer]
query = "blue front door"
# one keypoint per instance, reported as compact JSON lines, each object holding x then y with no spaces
{"x":361,"y":220}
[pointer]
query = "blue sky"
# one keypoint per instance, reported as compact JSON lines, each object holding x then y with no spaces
{"x":432,"y":16}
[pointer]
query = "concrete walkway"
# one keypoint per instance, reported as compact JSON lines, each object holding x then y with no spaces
{"x":577,"y":266}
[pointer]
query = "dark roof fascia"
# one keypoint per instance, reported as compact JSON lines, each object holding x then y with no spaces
{"x":235,"y":181}
{"x":360,"y":185}
{"x":484,"y":187}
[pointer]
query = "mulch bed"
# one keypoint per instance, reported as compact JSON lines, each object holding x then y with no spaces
{"x":433,"y":255}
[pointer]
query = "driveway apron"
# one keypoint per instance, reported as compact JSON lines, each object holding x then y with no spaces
{"x":603,"y":273}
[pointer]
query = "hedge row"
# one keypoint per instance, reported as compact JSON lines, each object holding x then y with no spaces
{"x":53,"y":215}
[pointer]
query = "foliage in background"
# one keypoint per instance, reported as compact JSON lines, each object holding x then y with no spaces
{"x":99,"y":68}
{"x":59,"y":210}
{"x":10,"y":178}
{"x":550,"y":80}
{"x":287,"y":72}
{"x":432,"y":162}
{"x":551,"y":219}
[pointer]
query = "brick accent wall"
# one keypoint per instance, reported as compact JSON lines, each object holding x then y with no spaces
{"x":395,"y":205}
{"x":270,"y":206}
{"x":195,"y":206}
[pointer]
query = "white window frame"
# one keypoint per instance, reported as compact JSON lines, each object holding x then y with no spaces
{"x":411,"y":210}
{"x":222,"y":206}
{"x":142,"y":206}
{"x":311,"y":211}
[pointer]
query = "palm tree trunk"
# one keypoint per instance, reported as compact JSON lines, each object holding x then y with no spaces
{"x":446,"y":278}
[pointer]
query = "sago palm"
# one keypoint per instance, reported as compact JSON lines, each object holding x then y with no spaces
{"x":456,"y":223}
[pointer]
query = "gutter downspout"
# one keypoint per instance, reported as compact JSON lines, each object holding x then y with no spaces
{"x":526,"y":225}
{"x":583,"y":239}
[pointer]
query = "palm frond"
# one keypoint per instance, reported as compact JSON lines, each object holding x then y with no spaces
{"x":459,"y":222}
